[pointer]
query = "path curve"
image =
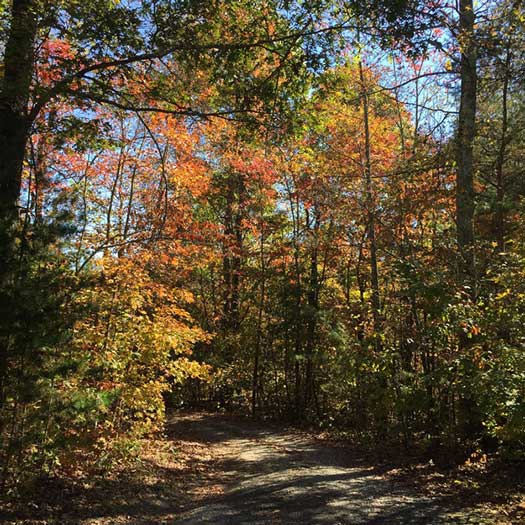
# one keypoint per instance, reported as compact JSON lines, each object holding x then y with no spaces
{"x":274,"y":476}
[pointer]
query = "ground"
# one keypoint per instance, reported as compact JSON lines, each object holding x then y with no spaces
{"x":217,"y":469}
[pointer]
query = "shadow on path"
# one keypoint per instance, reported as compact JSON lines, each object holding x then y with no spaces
{"x":274,"y":476}
{"x":235,"y":471}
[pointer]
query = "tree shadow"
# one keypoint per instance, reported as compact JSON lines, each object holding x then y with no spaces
{"x":294,"y":479}
{"x":270,"y":475}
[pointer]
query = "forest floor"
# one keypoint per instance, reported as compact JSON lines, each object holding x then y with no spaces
{"x":216,"y":469}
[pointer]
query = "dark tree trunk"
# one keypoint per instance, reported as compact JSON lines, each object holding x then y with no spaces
{"x":258,"y":336}
{"x":465,"y":197}
{"x":313,"y":312}
{"x":14,"y":98}
{"x":233,"y":247}
{"x":499,"y":217}
{"x":14,"y":134}
{"x":464,"y":148}
{"x":371,"y":219}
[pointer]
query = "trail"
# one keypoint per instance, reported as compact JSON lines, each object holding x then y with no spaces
{"x":212,"y":469}
{"x":274,"y":476}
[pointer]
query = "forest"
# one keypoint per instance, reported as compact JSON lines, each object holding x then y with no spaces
{"x":305,"y":212}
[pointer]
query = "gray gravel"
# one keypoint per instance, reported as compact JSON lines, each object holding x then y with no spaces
{"x":274,"y":476}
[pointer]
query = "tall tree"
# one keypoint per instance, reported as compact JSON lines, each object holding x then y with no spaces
{"x":15,"y":122}
{"x":465,"y":197}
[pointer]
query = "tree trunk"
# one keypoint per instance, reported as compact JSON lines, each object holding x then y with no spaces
{"x":465,"y":139}
{"x":371,"y":222}
{"x":14,"y":99}
{"x":465,"y":198}
{"x":499,"y":218}
{"x":14,"y":134}
{"x":258,"y":336}
{"x":312,"y":312}
{"x":232,"y":262}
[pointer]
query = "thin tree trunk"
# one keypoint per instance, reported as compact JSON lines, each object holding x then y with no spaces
{"x":313,"y":309}
{"x":232,"y":251}
{"x":500,"y":161}
{"x":257,"y":356}
{"x":371,"y":226}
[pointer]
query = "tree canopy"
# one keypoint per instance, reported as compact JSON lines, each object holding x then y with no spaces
{"x":310,"y":211}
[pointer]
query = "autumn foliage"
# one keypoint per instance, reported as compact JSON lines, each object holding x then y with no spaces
{"x":237,"y":217}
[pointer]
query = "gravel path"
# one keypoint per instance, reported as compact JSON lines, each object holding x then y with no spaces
{"x":274,"y":476}
{"x":218,"y":470}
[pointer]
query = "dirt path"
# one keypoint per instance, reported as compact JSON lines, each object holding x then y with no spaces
{"x":278,"y":477}
{"x":219,"y":470}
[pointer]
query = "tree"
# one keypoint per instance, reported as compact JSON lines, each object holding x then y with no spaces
{"x":465,"y":199}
